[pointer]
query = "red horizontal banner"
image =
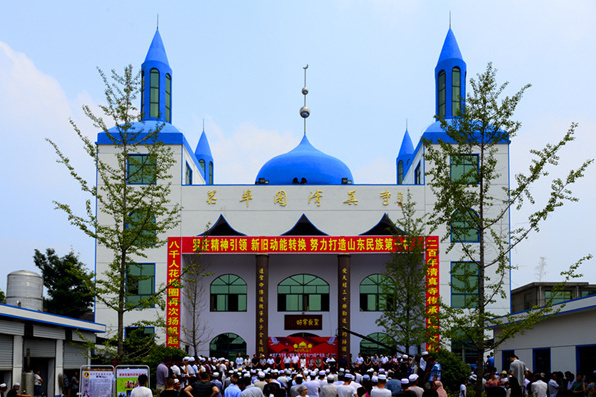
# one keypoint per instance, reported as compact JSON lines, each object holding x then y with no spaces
{"x":308,"y":346}
{"x":293,"y":244}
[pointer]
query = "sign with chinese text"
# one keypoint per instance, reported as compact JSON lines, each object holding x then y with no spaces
{"x":173,"y":292}
{"x":97,"y":382}
{"x":297,"y":322}
{"x":291,"y":244}
{"x":432,"y":291}
{"x":262,"y":313}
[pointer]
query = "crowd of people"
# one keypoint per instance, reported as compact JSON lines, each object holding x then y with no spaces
{"x":296,"y":375}
{"x":519,"y":381}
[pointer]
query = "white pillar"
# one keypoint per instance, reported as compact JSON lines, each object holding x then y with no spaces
{"x":59,"y":367}
{"x":17,"y":359}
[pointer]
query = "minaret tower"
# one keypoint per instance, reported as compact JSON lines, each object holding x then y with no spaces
{"x":450,"y":79}
{"x":156,"y":85}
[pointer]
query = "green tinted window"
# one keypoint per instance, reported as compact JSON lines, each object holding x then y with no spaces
{"x":464,"y":228}
{"x":168,"y":98}
{"x":464,"y":168}
{"x":140,"y":169}
{"x":140,"y":282}
{"x":455,"y":90}
{"x":441,"y":95}
{"x":228,"y":294}
{"x":303,"y":292}
{"x":372,"y":298}
{"x":154,"y":94}
{"x":464,"y":284}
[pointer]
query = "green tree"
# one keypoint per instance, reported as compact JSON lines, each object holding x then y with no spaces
{"x":195,"y":332}
{"x":403,"y":285}
{"x":133,"y":209}
{"x":67,"y":283}
{"x":474,"y":201}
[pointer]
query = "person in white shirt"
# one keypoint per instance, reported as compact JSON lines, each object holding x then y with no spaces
{"x":539,"y":388}
{"x":380,"y":390}
{"x":142,"y":390}
{"x":346,"y":389}
{"x":553,"y":386}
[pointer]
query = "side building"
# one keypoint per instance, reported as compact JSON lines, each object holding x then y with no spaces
{"x":296,"y":258}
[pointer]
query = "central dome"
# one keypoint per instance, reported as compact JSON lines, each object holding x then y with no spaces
{"x":304,"y":165}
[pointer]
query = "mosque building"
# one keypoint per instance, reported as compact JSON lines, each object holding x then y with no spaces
{"x":295,"y":259}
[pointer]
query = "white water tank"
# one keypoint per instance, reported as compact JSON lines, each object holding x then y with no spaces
{"x":25,"y":289}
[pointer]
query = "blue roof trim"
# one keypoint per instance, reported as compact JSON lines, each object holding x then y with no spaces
{"x":435,"y":132}
{"x":57,"y":316}
{"x":169,"y":135}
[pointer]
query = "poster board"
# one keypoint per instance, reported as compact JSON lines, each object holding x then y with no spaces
{"x":127,"y":378}
{"x":97,"y":381}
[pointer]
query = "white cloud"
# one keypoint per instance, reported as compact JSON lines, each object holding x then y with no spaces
{"x":239,"y":156}
{"x":35,"y":107}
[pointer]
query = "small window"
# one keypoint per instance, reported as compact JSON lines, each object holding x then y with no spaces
{"x":154,"y":94}
{"x":418,"y":174}
{"x":140,"y":282}
{"x":464,"y":227}
{"x":188,"y":175}
{"x":400,"y":172}
{"x":464,"y":284}
{"x":464,"y":168}
{"x":441,"y":94}
{"x":211,"y":172}
{"x":144,"y":221}
{"x":456,"y":96}
{"x":557,"y":297}
{"x":228,"y":294}
{"x":303,"y":293}
{"x":372,"y":298}
{"x":141,"y":169}
{"x":168,"y":98}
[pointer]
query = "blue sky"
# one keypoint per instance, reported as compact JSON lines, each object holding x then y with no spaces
{"x":238,"y":66}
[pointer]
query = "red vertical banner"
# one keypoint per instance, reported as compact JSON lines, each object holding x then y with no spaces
{"x":432,"y":291}
{"x":173,"y":293}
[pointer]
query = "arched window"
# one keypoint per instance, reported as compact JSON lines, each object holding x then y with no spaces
{"x":228,"y":294}
{"x":202,"y":164}
{"x":400,"y":172}
{"x":227,"y":345}
{"x":372,"y":298}
{"x":142,"y":92}
{"x":370,"y":348}
{"x":154,"y":94}
{"x":441,"y":94}
{"x":303,"y":293}
{"x":455,"y":90}
{"x":211,"y":172}
{"x":464,"y":228}
{"x":168,"y":98}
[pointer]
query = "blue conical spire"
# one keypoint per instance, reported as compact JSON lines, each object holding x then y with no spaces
{"x":203,"y":154}
{"x":156,"y":95}
{"x":450,"y":48}
{"x":450,"y":79}
{"x":404,"y":158}
{"x":157,"y":51}
{"x":406,"y":148}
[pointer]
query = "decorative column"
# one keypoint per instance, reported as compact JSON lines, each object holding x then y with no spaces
{"x":262,"y":304}
{"x":343,"y":305}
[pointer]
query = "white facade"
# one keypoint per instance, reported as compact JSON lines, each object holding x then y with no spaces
{"x":563,"y":342}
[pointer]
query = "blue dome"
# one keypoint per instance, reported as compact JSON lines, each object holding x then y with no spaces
{"x":305,"y":164}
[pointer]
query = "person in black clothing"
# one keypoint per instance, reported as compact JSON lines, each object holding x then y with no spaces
{"x":203,"y":388}
{"x":169,"y":391}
